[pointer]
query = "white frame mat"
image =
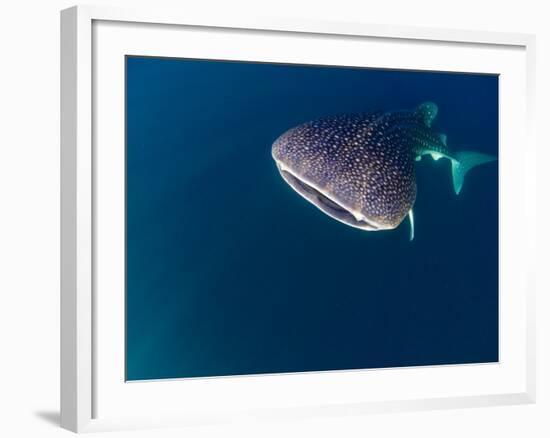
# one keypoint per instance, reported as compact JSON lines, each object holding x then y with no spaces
{"x":94,"y":395}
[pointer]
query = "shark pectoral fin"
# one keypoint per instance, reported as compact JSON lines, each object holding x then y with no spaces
{"x":464,"y":161}
{"x":436,"y":155}
{"x":411,"y":220}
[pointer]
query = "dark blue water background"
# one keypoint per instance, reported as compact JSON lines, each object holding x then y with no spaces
{"x":230,"y":272}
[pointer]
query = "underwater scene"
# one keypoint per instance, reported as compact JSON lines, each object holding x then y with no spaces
{"x":289,"y":218}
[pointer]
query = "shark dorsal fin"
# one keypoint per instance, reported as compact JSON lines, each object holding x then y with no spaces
{"x":428,"y":112}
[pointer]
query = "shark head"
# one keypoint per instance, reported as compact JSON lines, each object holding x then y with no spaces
{"x":348,"y":171}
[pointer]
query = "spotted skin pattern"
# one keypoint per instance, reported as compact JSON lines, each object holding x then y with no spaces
{"x":359,"y":168}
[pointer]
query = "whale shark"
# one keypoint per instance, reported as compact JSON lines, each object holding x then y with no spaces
{"x":360,"y":168}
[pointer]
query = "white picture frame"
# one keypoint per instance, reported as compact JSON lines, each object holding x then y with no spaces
{"x":89,"y":34}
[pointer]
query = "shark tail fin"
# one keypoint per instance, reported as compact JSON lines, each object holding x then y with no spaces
{"x":462,"y":162}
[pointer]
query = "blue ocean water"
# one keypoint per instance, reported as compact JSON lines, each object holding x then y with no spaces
{"x":229,"y":271}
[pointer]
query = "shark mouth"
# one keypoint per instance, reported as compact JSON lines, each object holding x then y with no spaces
{"x":325,"y":203}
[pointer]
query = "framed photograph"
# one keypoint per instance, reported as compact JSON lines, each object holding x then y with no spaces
{"x":281,"y":218}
